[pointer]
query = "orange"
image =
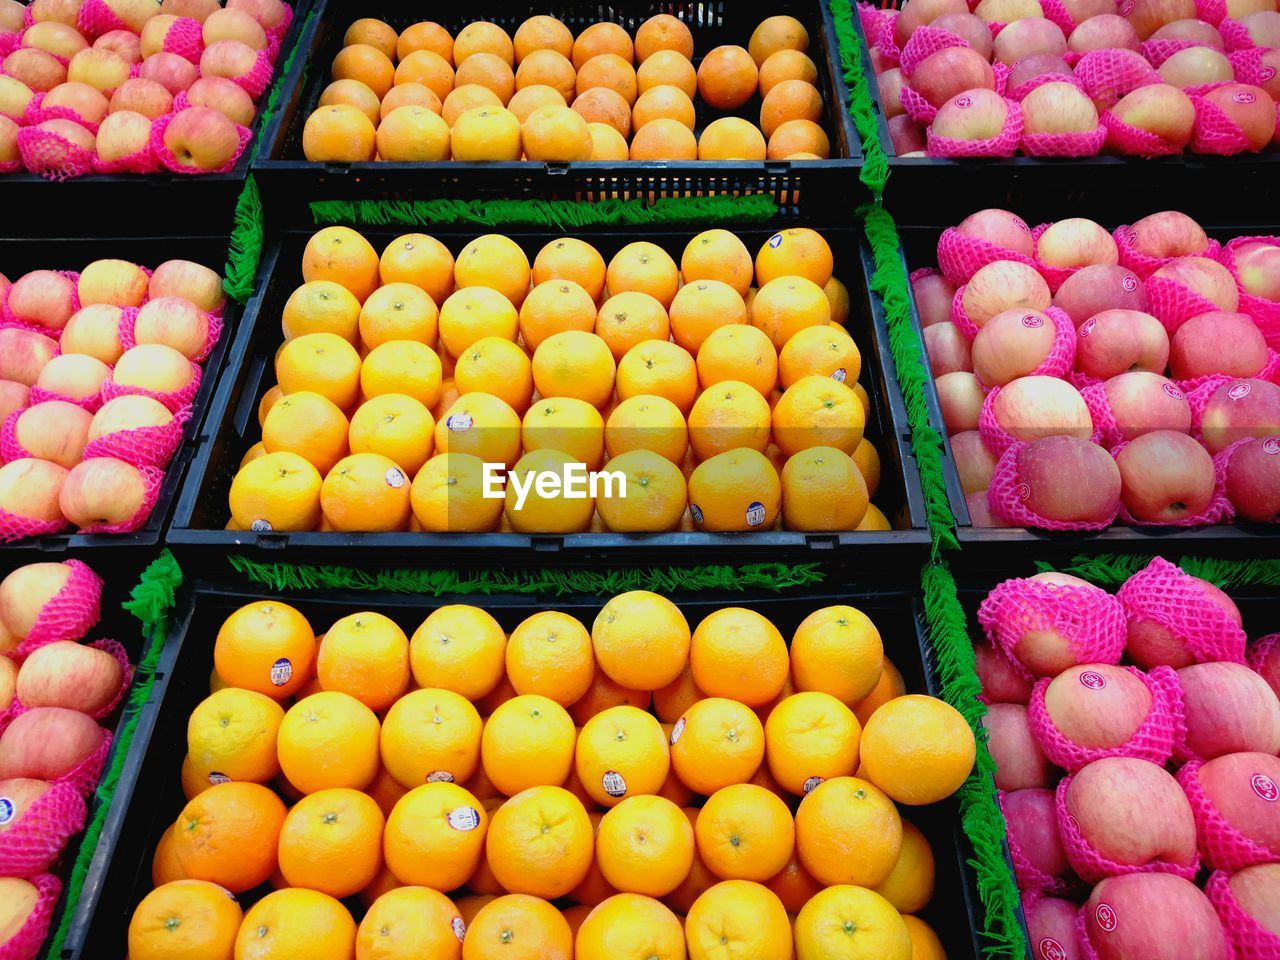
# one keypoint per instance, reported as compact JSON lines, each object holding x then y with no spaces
{"x":789,"y":100}
{"x":423,"y":261}
{"x":164,"y":864}
{"x":323,"y":363}
{"x":542,"y":33}
{"x":539,"y":842}
{"x":663,"y":32}
{"x":786,"y":305}
{"x":326,"y":740}
{"x":925,"y":944}
{"x":566,"y":258}
{"x":253,"y":453}
{"x":738,"y":352}
{"x":817,"y":411}
{"x":647,"y":423}
{"x":532,"y":97}
{"x":482,"y":425}
{"x":715,"y":744}
{"x":645,"y":845}
{"x":550,"y":510}
{"x":863,"y":398}
{"x":799,"y":139}
{"x":874,"y":519}
{"x":193,"y":781}
{"x":824,"y":350}
{"x":811,"y":737}
{"x":365,"y":655}
{"x":231,"y":736}
{"x":641,"y":640}
{"x":727,"y":77}
{"x":227,"y":835}
{"x":427,"y":68}
{"x":628,"y":926}
{"x":488,"y":70}
{"x":917,"y":749}
{"x":503,"y":692}
{"x":909,"y":887}
{"x":664,"y":139}
{"x":731,"y":138}
{"x":701,"y":307}
{"x":645,"y":267}
{"x":889,"y":686}
{"x":848,"y":831}
{"x":574,"y":363}
{"x":469,"y":906}
{"x":473,"y":313}
{"x":672,"y":701}
{"x":470,"y":96}
{"x":547,"y":68}
{"x":487,"y":132}
{"x":603,"y":105}
{"x":385,"y":791}
{"x":527,"y":742}
{"x":481,"y":36}
{"x":331,"y":841}
{"x":425,"y":35}
{"x":621,"y":753}
{"x":822,"y":490}
{"x":355,"y":94}
{"x":594,"y":888}
{"x":603,"y":694}
{"x":338,"y":133}
{"x":555,"y":133}
{"x":738,"y":918}
{"x":375,"y":33}
{"x":434,"y":836}
{"x":610,"y":71}
{"x":659,"y":368}
{"x":777,"y":33}
{"x":744,"y":832}
{"x":409,"y":95}
{"x":838,"y":295}
{"x":851,"y":923}
{"x":738,"y":654}
{"x":448,"y":495}
{"x":483,"y":880}
{"x":404,"y":367}
{"x":297,"y":922}
{"x":663,"y":102}
{"x":396,"y":426}
{"x":365,"y":63}
{"x":628,"y":319}
{"x":413,"y":134}
{"x":321,"y":306}
{"x":550,"y":654}
{"x":572,"y":426}
{"x":253,"y":642}
{"x":365,"y":491}
{"x":655,"y":495}
{"x":718,"y":255}
{"x":735,"y":490}
{"x":555,"y":305}
{"x":431,"y":735}
{"x":794,"y":885}
{"x":699,"y":880}
{"x":268,"y":400}
{"x":518,"y":927}
{"x":278,"y":491}
{"x":837,"y":650}
{"x":786,"y":65}
{"x":408,"y":922}
{"x":602,"y":38}
{"x":667,"y":68}
{"x":184,"y":919}
{"x":459,"y":648}
{"x":496,"y":262}
{"x":309,"y":425}
{"x":795,"y":252}
{"x":729,"y":416}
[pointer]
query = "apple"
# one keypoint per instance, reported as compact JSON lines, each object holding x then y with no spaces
{"x":1020,"y":763}
{"x":1104,"y":32}
{"x":1263,"y":28}
{"x":74,"y":375}
{"x":155,"y":367}
{"x":1166,"y":477}
{"x":9,"y":152}
{"x":1098,"y":287}
{"x":129,"y":412}
{"x":37,"y":69}
{"x":980,"y":512}
{"x":25,"y":591}
{"x":47,"y":743}
{"x":104,"y":70}
{"x":971,"y":29}
{"x":1204,"y":34}
{"x":52,"y":37}
{"x":124,"y":43}
{"x":1036,"y":65}
{"x":934,"y":294}
{"x":1092,"y":499}
{"x":1076,"y":242}
{"x":1153,"y":916}
{"x":134,"y":13}
{"x":1011,"y":345}
{"x":8,"y":642}
{"x":227,"y":58}
{"x":9,"y":679}
{"x":23,"y":354}
{"x":923,"y":14}
{"x":202,"y":137}
{"x":1132,"y":813}
{"x":175,"y":322}
{"x":960,"y":396}
{"x":1257,"y":891}
{"x":1250,"y":108}
{"x":193,"y":281}
{"x":1114,"y":342}
{"x":1032,"y":819}
{"x":43,"y":298}
{"x":974,"y":461}
{"x":1196,"y":66}
{"x":1239,"y":9}
{"x":12,"y":16}
{"x":972,"y":115}
{"x":907,"y":136}
{"x":1004,"y":285}
{"x":139,"y":95}
{"x":102,"y":490}
{"x":225,"y":96}
{"x":115,"y":282}
{"x":1002,"y":682}
{"x":94,"y":331}
{"x":1151,"y":643}
{"x":171,"y":71}
{"x":22,"y":792}
{"x":195,"y":9}
{"x":1148,"y":16}
{"x":879,"y":62}
{"x":234,"y":25}
{"x":1160,"y":109}
{"x":1217,"y":343}
{"x":890,"y":84}
{"x":1051,"y":925}
{"x":66,"y":674}
{"x":14,"y":96}
{"x":1258,"y":267}
{"x":1026,"y":38}
{"x":84,"y":101}
{"x":269,"y":13}
{"x":950,"y":72}
{"x":1036,"y":407}
{"x":1097,"y":705}
{"x":1205,"y":278}
{"x":948,"y":349}
{"x":1242,"y":789}
{"x":999,"y":228}
{"x":60,"y":11}
{"x":13,"y":396}
{"x":1058,"y":108}
{"x":55,"y":431}
{"x":1008,"y":11}
{"x":1253,"y":479}
{"x":123,"y":134}
{"x":1229,"y":709}
{"x":1240,"y":409}
{"x":154,"y":32}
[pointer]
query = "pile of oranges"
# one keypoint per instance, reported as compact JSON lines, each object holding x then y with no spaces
{"x":725,"y":407}
{"x":424,"y":95}
{"x":635,"y":790}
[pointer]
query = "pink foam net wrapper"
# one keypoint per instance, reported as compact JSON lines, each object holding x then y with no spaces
{"x":1004,"y":144}
{"x":1249,"y":67}
{"x":1090,"y":864}
{"x":1056,"y":11}
{"x":1173,"y":304}
{"x":924,"y":43}
{"x":960,"y":316}
{"x":1215,"y":132}
{"x":10,"y":713}
{"x":870,"y":17}
{"x":171,"y":162}
{"x":1062,"y":355}
{"x":1261,"y":648}
{"x":10,"y":448}
{"x":885,"y":40}
{"x":1020,"y":92}
{"x":280,"y":29}
{"x":1211,"y":11}
{"x":1249,"y":938}
{"x":1032,"y":882}
{"x":25,"y":944}
{"x":1235,"y":35}
{"x":1008,"y":493}
{"x":960,"y":257}
{"x":14,"y":527}
{"x":96,"y":18}
{"x":185,"y":37}
{"x":152,"y":478}
{"x":1156,"y":739}
{"x":1105,"y":425}
{"x":175,"y":400}
{"x":1265,"y":313}
{"x":52,"y":156}
{"x":126,"y":668}
{"x":256,"y":81}
{"x":1054,"y":276}
{"x":917,"y":107}
{"x":84,"y":776}
{"x":1222,"y":846}
{"x":1158,"y":51}
{"x":994,"y":436}
{"x":1163,"y":593}
{"x":1133,"y":142}
{"x":1107,"y":75}
{"x":9,"y":42}
{"x":1143,"y":264}
{"x":128,"y":332}
{"x":70,"y":613}
{"x":37,"y":112}
{"x":1218,"y":510}
{"x":43,"y":395}
{"x":143,"y":161}
{"x":142,"y":446}
{"x":35,"y":840}
{"x":1083,"y":944}
{"x":1090,"y":618}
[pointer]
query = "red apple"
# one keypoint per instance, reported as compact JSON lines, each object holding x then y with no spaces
{"x":73,"y":375}
{"x":1012,"y":344}
{"x":1196,"y":66}
{"x":171,"y":71}
{"x":908,"y":138}
{"x":234,"y":25}
{"x":13,"y":396}
{"x":23,"y":354}
{"x":22,"y":793}
{"x":134,"y":13}
{"x":8,"y":642}
{"x":102,"y":490}
{"x":1114,"y":342}
{"x":227,"y":58}
{"x":1097,"y":704}
{"x":1229,"y":709}
{"x":154,"y":367}
{"x":81,"y":99}
{"x":1244,"y":788}
{"x":43,"y":298}
{"x":175,"y":322}
{"x":203,"y":138}
{"x":1076,"y":242}
{"x":1000,"y":228}
{"x":140,"y":95}
{"x":934,"y":294}
{"x":972,"y":115}
{"x":1166,"y":476}
{"x":973,"y":30}
{"x":1032,"y":820}
{"x":961,"y":397}
{"x":194,"y":281}
{"x":1104,"y":32}
{"x":948,"y":349}
{"x":29,"y":488}
{"x":1092,"y":499}
{"x":1098,"y":287}
{"x":94,"y":331}
{"x":1153,"y":916}
{"x":890,"y":84}
{"x":1004,"y":285}
{"x":1032,"y":408}
{"x":123,"y":134}
{"x":1253,"y":479}
{"x":1160,"y":109}
{"x":47,"y":743}
{"x":115,"y":282}
{"x":14,"y":96}
{"x":1204,"y":277}
{"x":1027,"y":38}
{"x":1051,"y":924}
{"x":39,"y":70}
{"x":12,"y":16}
{"x":923,"y":14}
{"x":1150,"y":643}
{"x":1217,"y":343}
{"x":1148,"y":16}
{"x":78,"y":140}
{"x":1058,"y":108}
{"x":1258,"y":265}
{"x":55,"y":431}
{"x":269,"y":13}
{"x":124,"y":43}
{"x":104,"y":70}
{"x":71,"y":675}
{"x":1036,"y":65}
{"x":1020,"y":763}
{"x":879,"y":62}
{"x":25,"y":591}
{"x":1250,"y":108}
{"x":60,"y":39}
{"x":129,"y":412}
{"x":974,"y":462}
{"x":1170,"y":233}
{"x":1143,"y":402}
{"x":1240,"y":409}
{"x":225,"y":96}
{"x":1204,"y":34}
{"x":1263,"y":28}
{"x":195,"y":9}
{"x":1001,"y":680}
{"x":1007,"y":11}
{"x":950,"y":72}
{"x":980,"y":513}
{"x":1257,"y":890}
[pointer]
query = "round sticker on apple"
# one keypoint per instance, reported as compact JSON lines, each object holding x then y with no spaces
{"x":1129,"y":233}
{"x":1265,"y":787}
{"x":1130,"y":282}
{"x":1239,"y":391}
{"x":1032,"y":321}
{"x":1174,"y":392}
{"x":1024,"y":490}
{"x":1266,"y":73}
{"x":1126,"y":8}
{"x":1271,"y":445}
{"x":1051,"y":949}
{"x":1086,"y":328}
{"x":1093,"y":680}
{"x":6,"y":809}
{"x":1106,"y":917}
{"x":964,"y":102}
{"x":1022,"y":224}
{"x":1244,"y":96}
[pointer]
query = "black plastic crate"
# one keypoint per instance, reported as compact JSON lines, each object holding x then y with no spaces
{"x":290,"y":181}
{"x":232,"y":427}
{"x":149,"y":794}
{"x":73,"y":253}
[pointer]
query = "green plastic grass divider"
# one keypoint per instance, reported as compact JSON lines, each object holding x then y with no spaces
{"x":1113,"y":569}
{"x":271,"y":104}
{"x":875,"y":164}
{"x":151,"y":601}
{"x":244,"y":251}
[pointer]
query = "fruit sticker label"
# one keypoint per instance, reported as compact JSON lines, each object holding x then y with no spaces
{"x":281,"y":671}
{"x":6,"y":809}
{"x":1024,"y":490}
{"x":1265,"y":787}
{"x":755,"y":514}
{"x":1051,"y":949}
{"x":395,"y":478}
{"x":1092,"y":680}
{"x":1106,"y":917}
{"x":613,"y":783}
{"x":677,"y":730}
{"x":1032,"y":321}
{"x":1174,"y":392}
{"x":775,"y":241}
{"x":459,"y":928}
{"x":440,"y":776}
{"x":1130,"y":282}
{"x":216,"y":778}
{"x":840,"y":375}
{"x":1239,"y":391}
{"x":964,"y":103}
{"x":458,"y":422}
{"x":464,"y":819}
{"x":1086,"y":328}
{"x":696,"y":512}
{"x":1244,"y":96}
{"x":1271,"y":446}
{"x":260,"y":526}
{"x":811,"y":784}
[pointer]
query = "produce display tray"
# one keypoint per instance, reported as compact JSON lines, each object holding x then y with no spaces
{"x":149,"y":794}
{"x":17,"y":256}
{"x":232,"y":427}
{"x":290,"y":181}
